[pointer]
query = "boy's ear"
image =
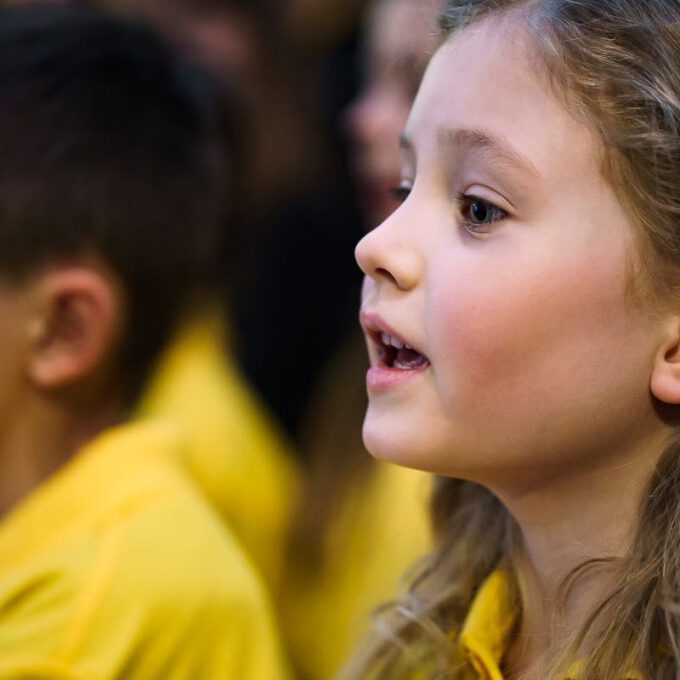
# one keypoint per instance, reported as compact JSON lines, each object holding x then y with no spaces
{"x":72,"y":334}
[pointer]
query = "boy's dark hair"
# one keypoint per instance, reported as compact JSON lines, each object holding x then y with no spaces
{"x":107,"y":148}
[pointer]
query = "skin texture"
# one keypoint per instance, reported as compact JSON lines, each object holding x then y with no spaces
{"x":540,"y":366}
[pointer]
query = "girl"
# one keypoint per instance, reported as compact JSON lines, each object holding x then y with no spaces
{"x":522,"y":315}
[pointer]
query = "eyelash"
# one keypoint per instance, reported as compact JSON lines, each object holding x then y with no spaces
{"x":465,"y":202}
{"x":498,"y":214}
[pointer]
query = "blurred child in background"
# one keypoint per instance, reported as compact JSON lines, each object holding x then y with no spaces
{"x":112,"y":562}
{"x":236,"y":453}
{"x":360,"y":523}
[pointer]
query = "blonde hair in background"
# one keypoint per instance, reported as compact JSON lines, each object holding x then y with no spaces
{"x":616,"y":63}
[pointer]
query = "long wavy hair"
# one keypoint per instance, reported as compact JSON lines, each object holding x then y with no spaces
{"x":616,"y":63}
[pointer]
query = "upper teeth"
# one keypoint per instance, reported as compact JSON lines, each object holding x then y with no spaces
{"x":389,"y":340}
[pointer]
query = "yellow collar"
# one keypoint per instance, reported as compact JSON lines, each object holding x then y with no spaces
{"x":489,"y":624}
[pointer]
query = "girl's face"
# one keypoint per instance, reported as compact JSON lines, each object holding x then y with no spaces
{"x":506,"y":270}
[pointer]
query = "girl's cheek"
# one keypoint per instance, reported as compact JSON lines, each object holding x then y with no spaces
{"x":478,"y":338}
{"x":511,"y":327}
{"x":509,"y":316}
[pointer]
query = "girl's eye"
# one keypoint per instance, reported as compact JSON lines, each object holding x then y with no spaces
{"x":478,"y":213}
{"x":401,"y":193}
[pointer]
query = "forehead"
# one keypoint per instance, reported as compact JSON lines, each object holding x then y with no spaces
{"x":489,"y":78}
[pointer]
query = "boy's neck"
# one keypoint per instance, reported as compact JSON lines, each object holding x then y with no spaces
{"x":563,"y":525}
{"x":40,"y":439}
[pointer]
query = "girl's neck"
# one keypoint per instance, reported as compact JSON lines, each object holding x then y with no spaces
{"x":563,"y":525}
{"x":548,"y":621}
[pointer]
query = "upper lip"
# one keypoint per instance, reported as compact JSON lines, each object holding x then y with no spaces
{"x":374,"y":326}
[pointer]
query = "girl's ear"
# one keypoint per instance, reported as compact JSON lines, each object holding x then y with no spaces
{"x":74,"y":328}
{"x":665,"y":379}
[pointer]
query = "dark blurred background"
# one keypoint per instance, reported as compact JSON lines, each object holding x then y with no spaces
{"x":297,"y":64}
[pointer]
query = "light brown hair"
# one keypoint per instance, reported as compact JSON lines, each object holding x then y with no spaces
{"x":616,"y":63}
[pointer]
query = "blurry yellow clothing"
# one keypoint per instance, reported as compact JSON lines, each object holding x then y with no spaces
{"x":382,"y":528}
{"x":235,"y":454}
{"x":116,"y":567}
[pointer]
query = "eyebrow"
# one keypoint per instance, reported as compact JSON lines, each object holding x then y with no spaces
{"x":465,"y":139}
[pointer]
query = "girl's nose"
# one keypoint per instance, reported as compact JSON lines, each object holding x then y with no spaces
{"x":388,"y":260}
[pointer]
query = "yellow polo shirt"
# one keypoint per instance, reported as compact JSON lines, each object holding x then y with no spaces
{"x":236,"y":454}
{"x":116,"y":567}
{"x":489,"y":626}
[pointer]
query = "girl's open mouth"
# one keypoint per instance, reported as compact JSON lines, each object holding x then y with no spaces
{"x":392,"y":353}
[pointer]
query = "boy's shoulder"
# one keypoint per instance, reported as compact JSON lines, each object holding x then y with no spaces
{"x":119,"y":553}
{"x":237,"y":455}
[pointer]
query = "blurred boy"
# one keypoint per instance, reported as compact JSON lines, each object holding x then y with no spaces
{"x":237,"y":454}
{"x":112,"y":564}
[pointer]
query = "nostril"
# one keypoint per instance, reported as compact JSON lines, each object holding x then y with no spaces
{"x":385,"y":274}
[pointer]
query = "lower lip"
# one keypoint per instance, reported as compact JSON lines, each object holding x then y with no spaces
{"x":383,"y":378}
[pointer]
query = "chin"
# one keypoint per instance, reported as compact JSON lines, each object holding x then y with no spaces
{"x":414,"y":441}
{"x":395,"y":441}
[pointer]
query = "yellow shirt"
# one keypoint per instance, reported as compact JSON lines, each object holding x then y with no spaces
{"x":236,"y":455}
{"x":382,"y":528}
{"x":489,"y":625}
{"x":116,"y":567}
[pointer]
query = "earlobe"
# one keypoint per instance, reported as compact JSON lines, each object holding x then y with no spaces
{"x":665,"y":379}
{"x":75,"y":326}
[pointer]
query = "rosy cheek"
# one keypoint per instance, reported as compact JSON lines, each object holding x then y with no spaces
{"x":507,"y":333}
{"x":478,"y":336}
